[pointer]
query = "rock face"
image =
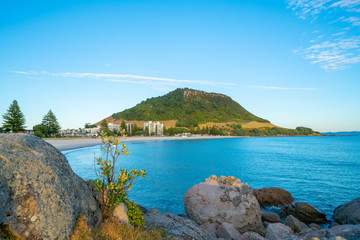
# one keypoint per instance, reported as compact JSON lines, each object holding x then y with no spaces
{"x":349,"y":213}
{"x":295,"y":224}
{"x":177,"y":227}
{"x":41,"y":196}
{"x":304,"y":212}
{"x":273,"y":196}
{"x":278,"y":231}
{"x":223,"y":199}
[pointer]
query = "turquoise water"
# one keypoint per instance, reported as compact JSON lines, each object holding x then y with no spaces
{"x":324,"y":171}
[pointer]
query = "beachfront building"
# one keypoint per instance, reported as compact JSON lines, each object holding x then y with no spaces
{"x":154,"y":127}
{"x":129,"y":127}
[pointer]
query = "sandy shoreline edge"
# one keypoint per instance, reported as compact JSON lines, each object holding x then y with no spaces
{"x":69,"y":144}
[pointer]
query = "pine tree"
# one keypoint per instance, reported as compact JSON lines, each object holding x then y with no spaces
{"x":14,"y":119}
{"x":51,"y":123}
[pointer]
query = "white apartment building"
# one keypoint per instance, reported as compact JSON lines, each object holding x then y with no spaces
{"x":154,"y":127}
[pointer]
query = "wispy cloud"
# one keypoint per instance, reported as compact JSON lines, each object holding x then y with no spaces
{"x":311,"y":8}
{"x":282,"y":88}
{"x":333,"y":55}
{"x":335,"y":50}
{"x":133,"y":79}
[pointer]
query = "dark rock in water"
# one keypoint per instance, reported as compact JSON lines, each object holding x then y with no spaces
{"x":223,"y":199}
{"x":295,"y":224}
{"x":142,"y":209}
{"x":273,"y":196}
{"x":177,"y":227}
{"x":278,"y":231}
{"x":304,"y":212}
{"x":348,"y":213}
{"x":41,"y":196}
{"x":348,"y":232}
{"x":270,"y":217}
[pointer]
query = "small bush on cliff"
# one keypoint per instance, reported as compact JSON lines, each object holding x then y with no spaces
{"x":7,"y":233}
{"x":135,"y":215}
{"x":114,"y":188}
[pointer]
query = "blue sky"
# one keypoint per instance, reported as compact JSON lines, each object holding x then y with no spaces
{"x":293,"y":62}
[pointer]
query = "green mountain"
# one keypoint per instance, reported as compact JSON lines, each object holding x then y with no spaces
{"x":190,"y":107}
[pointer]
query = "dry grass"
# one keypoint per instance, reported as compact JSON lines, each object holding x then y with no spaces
{"x":255,"y":124}
{"x":110,"y":229}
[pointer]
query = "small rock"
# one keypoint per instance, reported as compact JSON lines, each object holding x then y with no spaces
{"x":304,"y":212}
{"x":270,"y":217}
{"x":333,"y":224}
{"x":348,"y":213}
{"x":120,"y":213}
{"x":251,"y":236}
{"x":315,"y":226}
{"x":278,"y":231}
{"x":177,"y":227}
{"x":210,"y":227}
{"x":227,"y":231}
{"x":261,"y":230}
{"x":295,"y":224}
{"x":273,"y":196}
{"x":266,"y":223}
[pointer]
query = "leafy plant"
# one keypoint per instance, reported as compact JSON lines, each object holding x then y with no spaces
{"x":114,"y":186}
{"x":135,"y":215}
{"x":7,"y":233}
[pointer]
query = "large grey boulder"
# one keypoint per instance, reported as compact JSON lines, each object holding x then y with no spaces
{"x":223,"y":199}
{"x":273,"y":196}
{"x":348,"y":213}
{"x":40,"y":196}
{"x":304,"y":212}
{"x":176,"y":226}
{"x":278,"y":231}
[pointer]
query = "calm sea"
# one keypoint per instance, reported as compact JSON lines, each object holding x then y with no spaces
{"x":323,"y":171}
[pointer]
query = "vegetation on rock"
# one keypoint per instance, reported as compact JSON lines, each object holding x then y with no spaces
{"x":111,"y":229}
{"x":112,"y":183}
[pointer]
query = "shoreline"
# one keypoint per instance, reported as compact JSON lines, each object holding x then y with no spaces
{"x":70,"y":144}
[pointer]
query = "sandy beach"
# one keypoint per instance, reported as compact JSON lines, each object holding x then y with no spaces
{"x":68,"y":144}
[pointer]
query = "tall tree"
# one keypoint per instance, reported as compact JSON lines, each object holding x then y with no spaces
{"x":14,"y":119}
{"x":51,"y":123}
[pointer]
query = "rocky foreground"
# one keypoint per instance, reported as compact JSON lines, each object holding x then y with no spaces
{"x":41,"y":198}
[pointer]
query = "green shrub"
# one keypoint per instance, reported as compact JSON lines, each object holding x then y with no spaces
{"x":114,"y":188}
{"x":135,"y":215}
{"x":7,"y":233}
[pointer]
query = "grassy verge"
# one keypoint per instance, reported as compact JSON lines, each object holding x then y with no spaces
{"x":110,"y":229}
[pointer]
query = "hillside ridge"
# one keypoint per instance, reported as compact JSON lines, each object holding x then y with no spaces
{"x":190,"y":108}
